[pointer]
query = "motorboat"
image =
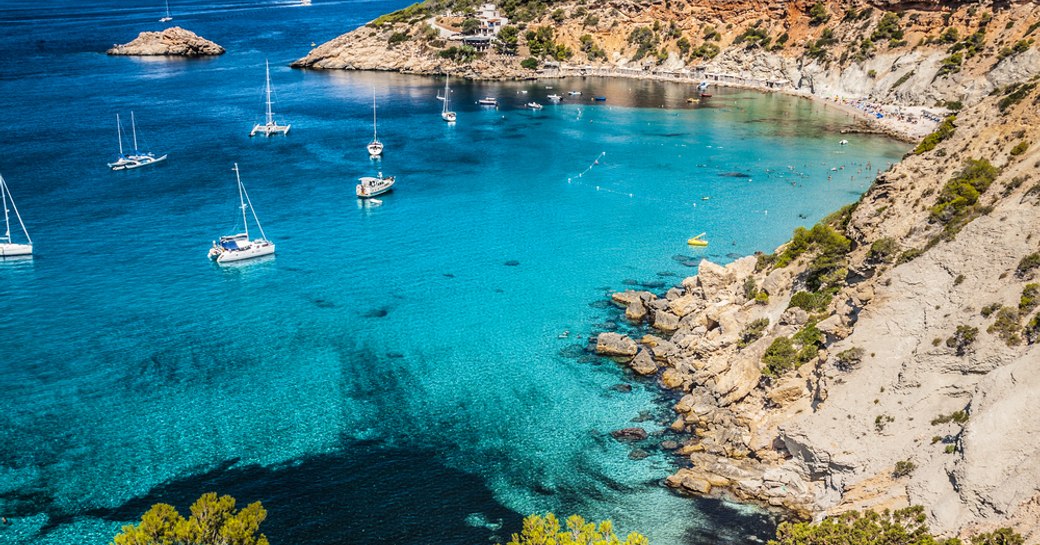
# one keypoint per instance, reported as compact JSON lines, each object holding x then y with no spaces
{"x":370,"y":186}
{"x":533,"y":106}
{"x":488,"y":101}
{"x":554,"y":98}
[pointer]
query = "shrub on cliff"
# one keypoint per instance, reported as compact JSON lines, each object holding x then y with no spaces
{"x":529,"y":63}
{"x":956,"y":203}
{"x":887,"y":29}
{"x":411,"y":14}
{"x":753,"y":332}
{"x":942,"y":132}
{"x":810,"y":301}
{"x":1006,"y":326}
{"x":901,"y":527}
{"x":882,"y":250}
{"x":213,"y":520}
{"x":1027,"y":264}
{"x":818,"y":14}
{"x":1013,"y":94}
{"x":1030,"y":298}
{"x":538,"y":530}
{"x":962,"y":338}
{"x":821,"y":238}
{"x":1001,"y":536}
{"x":460,"y":53}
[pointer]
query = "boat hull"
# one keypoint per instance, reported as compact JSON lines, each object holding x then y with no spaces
{"x":142,"y":163}
{"x":254,"y":251}
{"x":269,"y":130}
{"x":375,"y":149}
{"x":11,"y":250}
{"x":448,"y":116}
{"x":374,"y":187}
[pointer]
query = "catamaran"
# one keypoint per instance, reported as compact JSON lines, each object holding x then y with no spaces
{"x":373,"y":186}
{"x":375,"y":148}
{"x":269,"y":128}
{"x":168,"y":17}
{"x":446,"y":113}
{"x":138,"y":158}
{"x":9,"y":248}
{"x":231,"y":248}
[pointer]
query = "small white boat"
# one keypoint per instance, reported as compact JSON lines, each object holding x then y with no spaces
{"x":270,"y":127}
{"x":488,"y":101}
{"x":239,"y":247}
{"x":168,"y":17}
{"x":555,"y":98}
{"x":844,"y":143}
{"x":533,"y":106}
{"x":8,"y":247}
{"x":574,"y":93}
{"x":375,"y":147}
{"x":138,"y":158}
{"x":446,"y":113}
{"x":369,"y":186}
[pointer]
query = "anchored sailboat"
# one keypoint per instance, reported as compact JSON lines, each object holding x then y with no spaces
{"x":269,"y":128}
{"x":446,"y":113}
{"x":8,"y":248}
{"x":231,"y":248}
{"x":138,"y":158}
{"x":375,"y":148}
{"x":168,"y":17}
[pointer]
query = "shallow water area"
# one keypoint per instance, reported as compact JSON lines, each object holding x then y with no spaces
{"x":397,"y":373}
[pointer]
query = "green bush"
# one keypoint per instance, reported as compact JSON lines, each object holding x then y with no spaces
{"x":888,"y":29}
{"x":811,"y":302}
{"x":1030,"y":298}
{"x":822,"y":238}
{"x":1006,"y":326}
{"x":847,"y":360}
{"x":1019,"y":148}
{"x":818,"y":14}
{"x":780,"y":357}
{"x":882,"y":250}
{"x":706,"y":51}
{"x":1027,"y":264}
{"x":753,"y":332}
{"x":1013,"y":94}
{"x":539,"y":530}
{"x":397,"y":37}
{"x":903,"y":468}
{"x":957,"y":417}
{"x":942,"y":132}
{"x":900,"y":527}
{"x":951,"y":65}
{"x":408,"y":15}
{"x":1002,"y":536}
{"x":962,"y":339}
{"x":460,"y":53}
{"x":1032,"y":329}
{"x":957,"y":200}
{"x":754,"y":37}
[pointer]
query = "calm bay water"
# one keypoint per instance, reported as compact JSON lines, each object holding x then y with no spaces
{"x":395,"y":374}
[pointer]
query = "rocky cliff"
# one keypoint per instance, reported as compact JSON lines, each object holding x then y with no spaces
{"x":888,"y":356}
{"x":898,"y":52}
{"x":174,"y":41}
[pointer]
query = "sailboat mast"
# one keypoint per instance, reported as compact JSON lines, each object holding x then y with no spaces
{"x":374,"y":115}
{"x":7,"y":219}
{"x":7,"y":195}
{"x":242,"y":200}
{"x":270,"y":114}
{"x":133,"y":124}
{"x":446,"y":94}
{"x":168,"y":9}
{"x":119,"y":134}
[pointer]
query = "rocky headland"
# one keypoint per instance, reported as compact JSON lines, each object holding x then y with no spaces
{"x":898,"y":54}
{"x":885,"y":357}
{"x":173,"y":42}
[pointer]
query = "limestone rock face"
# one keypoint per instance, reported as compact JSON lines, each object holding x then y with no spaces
{"x":174,"y":42}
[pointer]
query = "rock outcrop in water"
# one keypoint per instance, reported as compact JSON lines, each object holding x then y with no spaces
{"x":174,"y":41}
{"x":892,"y":359}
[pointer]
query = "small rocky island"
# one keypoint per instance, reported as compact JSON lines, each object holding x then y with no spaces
{"x":174,"y":42}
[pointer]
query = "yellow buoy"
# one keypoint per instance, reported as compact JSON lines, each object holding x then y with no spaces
{"x":697,"y":240}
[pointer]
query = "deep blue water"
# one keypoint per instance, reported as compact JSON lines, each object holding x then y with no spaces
{"x":387,"y":378}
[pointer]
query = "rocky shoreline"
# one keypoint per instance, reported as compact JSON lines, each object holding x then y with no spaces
{"x":172,"y":42}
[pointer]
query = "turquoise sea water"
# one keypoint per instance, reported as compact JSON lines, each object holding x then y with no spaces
{"x":395,"y":374}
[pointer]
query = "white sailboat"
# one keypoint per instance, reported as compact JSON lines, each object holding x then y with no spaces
{"x":9,"y":248}
{"x":168,"y":17}
{"x":375,"y":148}
{"x":270,"y":127}
{"x":137,"y":158}
{"x":369,"y":186}
{"x":446,"y":113}
{"x":238,"y":247}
